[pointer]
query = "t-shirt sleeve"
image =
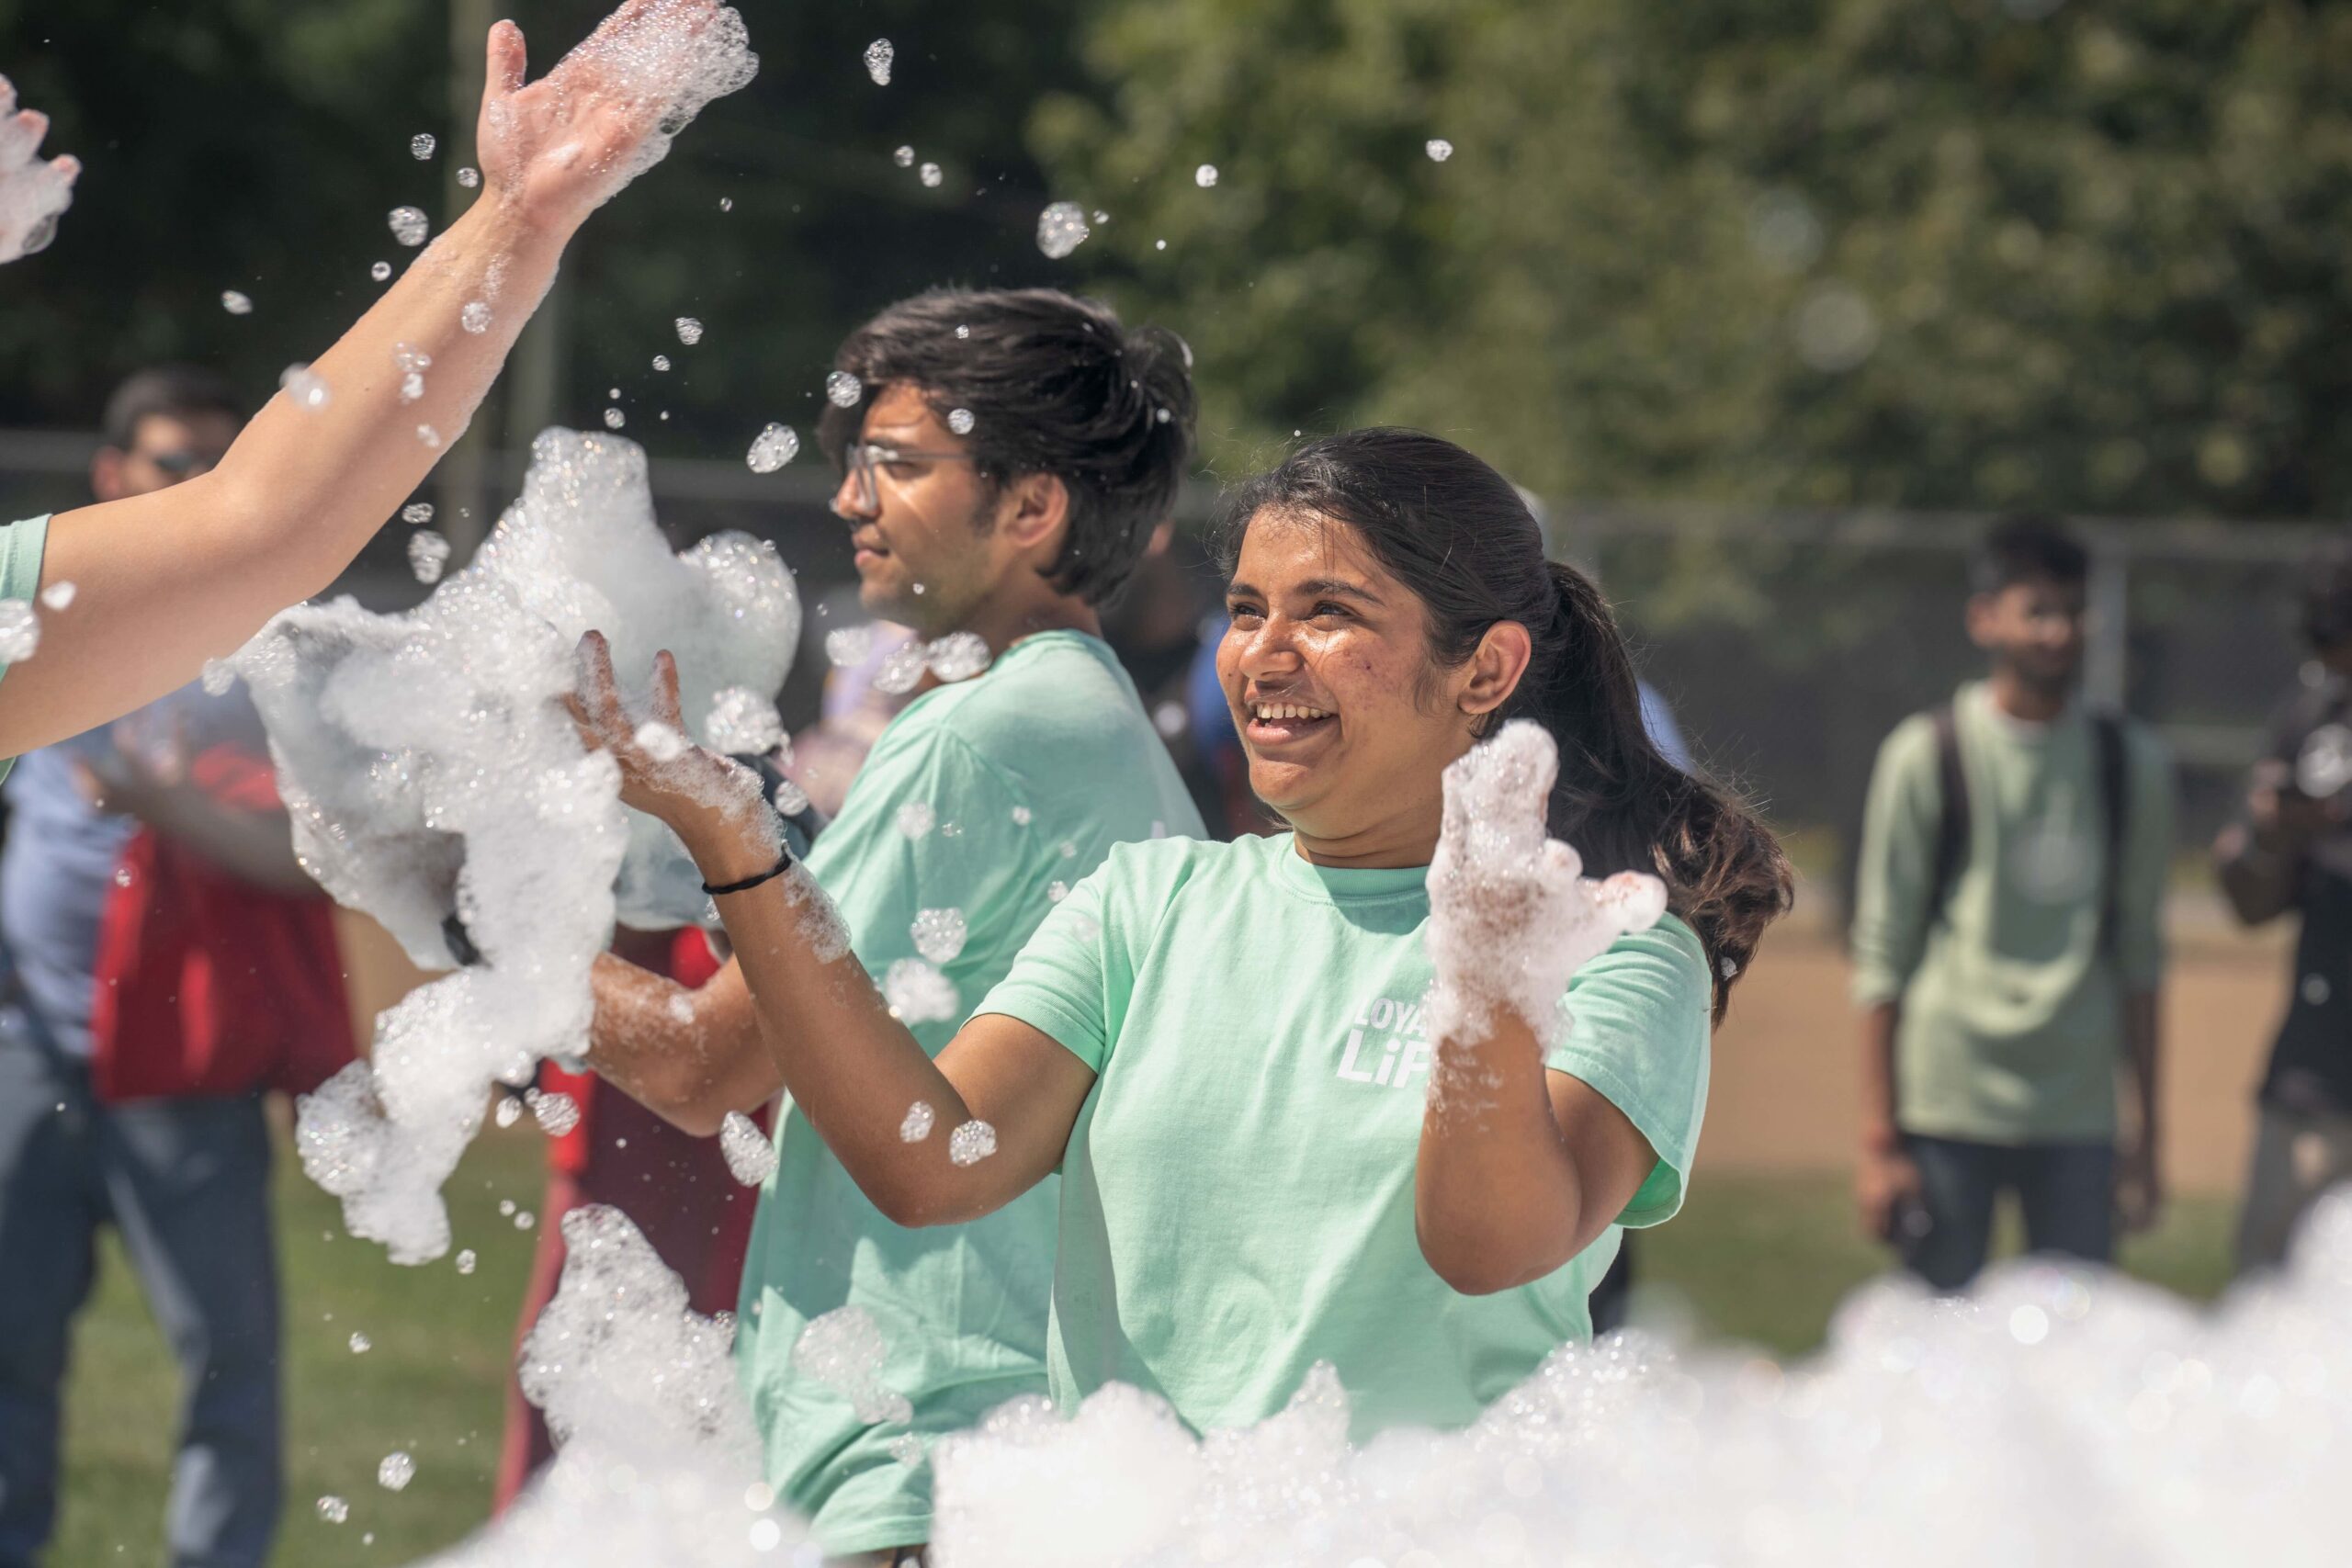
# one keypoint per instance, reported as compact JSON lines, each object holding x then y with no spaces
{"x":1638,"y":1034}
{"x":1066,"y":982}
{"x":21,"y":546}
{"x":1896,"y":863}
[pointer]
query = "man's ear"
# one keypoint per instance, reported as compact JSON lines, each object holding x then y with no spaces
{"x":1033,"y":514}
{"x":1983,"y":619}
{"x":106,"y":472}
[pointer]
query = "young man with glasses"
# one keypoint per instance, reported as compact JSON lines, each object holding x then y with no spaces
{"x":1005,"y":456}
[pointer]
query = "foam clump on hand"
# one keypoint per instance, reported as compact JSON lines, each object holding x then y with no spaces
{"x":2059,"y":1414}
{"x":430,"y":767}
{"x":34,"y":194}
{"x":656,"y":1458}
{"x":1512,"y":916}
{"x":664,"y":61}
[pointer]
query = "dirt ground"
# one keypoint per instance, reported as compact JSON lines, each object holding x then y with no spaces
{"x":1783,"y":1095}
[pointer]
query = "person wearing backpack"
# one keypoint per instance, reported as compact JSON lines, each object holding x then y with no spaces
{"x":2008,"y":941}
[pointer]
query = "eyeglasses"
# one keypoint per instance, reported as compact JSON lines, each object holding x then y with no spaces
{"x":860,"y":459}
{"x":182,"y":464}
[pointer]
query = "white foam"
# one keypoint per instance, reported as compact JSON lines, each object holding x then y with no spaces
{"x":406,"y":743}
{"x":971,"y":1143}
{"x":878,"y":56}
{"x":939,"y":934}
{"x":772,"y":448}
{"x":743,"y":723}
{"x":918,"y":993}
{"x":749,"y":1154}
{"x":1061,"y":229}
{"x":845,"y":1350}
{"x":1512,"y":914}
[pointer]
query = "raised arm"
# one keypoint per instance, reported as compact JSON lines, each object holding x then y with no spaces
{"x":167,"y":580}
{"x":853,"y":1069}
{"x":1521,"y":1168}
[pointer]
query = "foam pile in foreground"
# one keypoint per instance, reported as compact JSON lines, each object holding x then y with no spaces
{"x":656,"y":1461}
{"x":2058,"y":1417}
{"x":431,"y":769}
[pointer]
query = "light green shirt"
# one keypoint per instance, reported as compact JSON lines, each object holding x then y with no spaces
{"x":21,"y":544}
{"x":991,"y":797}
{"x":1237,"y":1198}
{"x":2011,"y":1027}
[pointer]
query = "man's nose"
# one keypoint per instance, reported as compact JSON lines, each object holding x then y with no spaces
{"x":850,"y":503}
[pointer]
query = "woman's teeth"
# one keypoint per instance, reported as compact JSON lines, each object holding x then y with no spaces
{"x":1288,"y":710}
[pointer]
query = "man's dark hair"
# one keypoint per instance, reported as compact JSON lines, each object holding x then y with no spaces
{"x":2029,"y":547}
{"x":2327,"y":596}
{"x":169,"y":389}
{"x":1055,"y":385}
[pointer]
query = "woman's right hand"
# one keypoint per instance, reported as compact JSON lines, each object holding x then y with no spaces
{"x":557,"y":149}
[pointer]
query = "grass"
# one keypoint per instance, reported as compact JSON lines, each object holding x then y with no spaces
{"x":1762,"y":1261}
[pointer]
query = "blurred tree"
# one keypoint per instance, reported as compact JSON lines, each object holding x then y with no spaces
{"x":1940,"y":253}
{"x":258,"y":146}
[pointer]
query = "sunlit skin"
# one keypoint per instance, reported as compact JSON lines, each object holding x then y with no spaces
{"x":2033,"y":629}
{"x":940,"y":549}
{"x":1318,"y":622}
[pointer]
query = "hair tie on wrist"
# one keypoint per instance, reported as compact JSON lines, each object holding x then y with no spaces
{"x":783,"y":863}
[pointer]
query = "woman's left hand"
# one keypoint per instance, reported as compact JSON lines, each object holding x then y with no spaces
{"x":1512,"y":916}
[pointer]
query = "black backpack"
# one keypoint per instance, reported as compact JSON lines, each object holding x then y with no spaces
{"x":1953,"y":835}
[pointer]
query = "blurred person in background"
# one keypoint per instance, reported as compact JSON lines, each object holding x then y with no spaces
{"x":2007,"y":939}
{"x":2289,"y":849}
{"x":1158,"y":627}
{"x":167,"y":965}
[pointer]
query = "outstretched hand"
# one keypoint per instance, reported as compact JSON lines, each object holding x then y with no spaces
{"x":32,"y":194}
{"x":1512,"y":916}
{"x":558,"y":148}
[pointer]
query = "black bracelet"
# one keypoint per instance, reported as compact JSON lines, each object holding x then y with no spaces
{"x":783,"y":863}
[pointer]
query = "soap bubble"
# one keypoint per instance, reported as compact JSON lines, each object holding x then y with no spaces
{"x":419,"y":512}
{"x":879,"y":55}
{"x":750,"y":1156}
{"x":958,"y":656}
{"x":556,"y":1112}
{"x":420,"y":146}
{"x":743,"y":723}
{"x":939,"y":934}
{"x":960,"y":421}
{"x":847,"y":645}
{"x":360,"y":1343}
{"x":918,"y":1124}
{"x":475,"y":316}
{"x":971,"y":1143}
{"x":918,"y":993}
{"x":614,"y":419}
{"x":469,"y":178}
{"x":1206,"y":176}
{"x":1061,"y":229}
{"x":466,"y":1261}
{"x":236,"y":304}
{"x":1439,"y":149}
{"x":409,"y":225}
{"x":59,"y":595}
{"x":395,"y":1471}
{"x":843,"y":389}
{"x":333,"y":1509}
{"x":689,"y":330}
{"x":428,"y":555}
{"x":931,"y":175}
{"x":659,"y":741}
{"x":382,"y":271}
{"x":661,"y":362}
{"x":509,"y":1112}
{"x":428,"y":438}
{"x":772,"y":448}
{"x":904,"y":157}
{"x":305,"y":388}
{"x":902,"y":667}
{"x":845,"y":1350}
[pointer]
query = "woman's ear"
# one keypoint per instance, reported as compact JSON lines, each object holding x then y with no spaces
{"x":1496,"y":668}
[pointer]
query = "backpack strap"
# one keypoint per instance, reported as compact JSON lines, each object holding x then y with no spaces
{"x":1952,"y":822}
{"x":2114,"y":799}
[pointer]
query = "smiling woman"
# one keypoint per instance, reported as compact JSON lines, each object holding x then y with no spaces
{"x":1295,"y":1122}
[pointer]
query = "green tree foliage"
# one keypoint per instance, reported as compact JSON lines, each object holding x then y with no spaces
{"x":1941,"y":254}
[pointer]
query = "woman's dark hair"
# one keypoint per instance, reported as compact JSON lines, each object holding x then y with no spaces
{"x":1455,"y":532}
{"x":1055,"y":385}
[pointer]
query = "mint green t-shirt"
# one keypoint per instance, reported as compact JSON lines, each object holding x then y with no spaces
{"x":21,"y":544}
{"x":1236,"y":1198}
{"x":991,"y":797}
